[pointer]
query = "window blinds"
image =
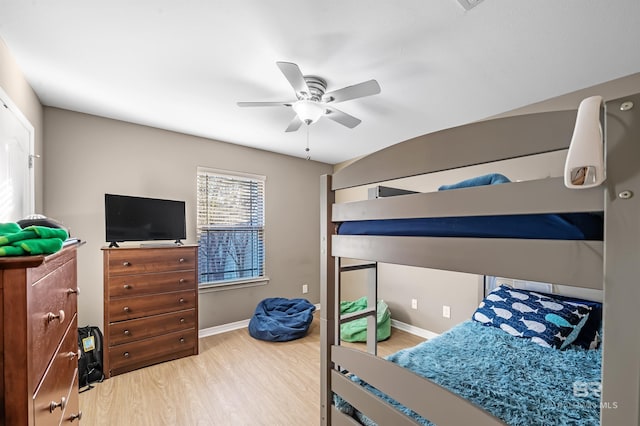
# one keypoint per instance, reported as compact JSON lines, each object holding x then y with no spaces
{"x":230,"y":226}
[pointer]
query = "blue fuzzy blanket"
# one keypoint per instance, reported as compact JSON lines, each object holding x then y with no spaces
{"x":516,"y":380}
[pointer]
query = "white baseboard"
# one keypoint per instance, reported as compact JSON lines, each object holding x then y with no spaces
{"x":205,"y":332}
{"x":218,"y":329}
{"x":211,"y":331}
{"x":413,"y":330}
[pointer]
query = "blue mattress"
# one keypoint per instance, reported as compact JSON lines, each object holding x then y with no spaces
{"x":573,"y":226}
{"x":516,"y":380}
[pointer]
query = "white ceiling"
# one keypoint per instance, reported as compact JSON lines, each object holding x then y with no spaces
{"x":183,"y":65}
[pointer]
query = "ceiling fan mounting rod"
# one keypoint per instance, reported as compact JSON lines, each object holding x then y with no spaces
{"x":317,"y":87}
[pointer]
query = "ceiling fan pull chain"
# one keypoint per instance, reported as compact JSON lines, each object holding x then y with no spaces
{"x":307,"y":148}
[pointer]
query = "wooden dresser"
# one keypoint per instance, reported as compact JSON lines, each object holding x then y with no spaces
{"x":150,"y":306}
{"x":39,"y":344}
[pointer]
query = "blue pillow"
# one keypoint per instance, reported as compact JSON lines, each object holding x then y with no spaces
{"x":490,"y":179}
{"x":588,"y":337}
{"x":545,"y":320}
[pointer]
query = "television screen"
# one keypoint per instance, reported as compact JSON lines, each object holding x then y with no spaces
{"x":143,"y":219}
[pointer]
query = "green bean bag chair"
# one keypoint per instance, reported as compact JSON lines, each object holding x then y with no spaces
{"x":356,"y":331}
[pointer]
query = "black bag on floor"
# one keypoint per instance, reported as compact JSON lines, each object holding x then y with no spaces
{"x":90,"y":359}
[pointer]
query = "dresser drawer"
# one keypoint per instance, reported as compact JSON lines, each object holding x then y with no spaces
{"x":137,"y":307}
{"x":72,"y":414}
{"x":140,"y":261}
{"x":138,"y":285}
{"x":51,"y":263}
{"x":58,"y":381}
{"x":53,"y":305}
{"x":130,"y":356}
{"x":143,"y":328}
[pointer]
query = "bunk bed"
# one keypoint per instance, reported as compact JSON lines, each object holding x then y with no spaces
{"x":609,"y":264}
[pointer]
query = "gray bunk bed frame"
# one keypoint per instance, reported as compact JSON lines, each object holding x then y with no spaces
{"x":612,"y":265}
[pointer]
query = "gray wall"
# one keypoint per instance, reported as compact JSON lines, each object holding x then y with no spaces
{"x":14,"y":84}
{"x":87,"y":156}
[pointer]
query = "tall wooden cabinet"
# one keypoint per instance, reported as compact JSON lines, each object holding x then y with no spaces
{"x":150,"y":306}
{"x":39,"y":339}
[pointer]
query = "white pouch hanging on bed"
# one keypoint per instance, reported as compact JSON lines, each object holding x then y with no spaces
{"x":584,"y":167}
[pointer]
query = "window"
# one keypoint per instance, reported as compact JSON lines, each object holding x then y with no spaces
{"x":230,"y":227}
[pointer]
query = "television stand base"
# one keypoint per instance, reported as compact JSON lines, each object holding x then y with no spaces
{"x":160,"y":244}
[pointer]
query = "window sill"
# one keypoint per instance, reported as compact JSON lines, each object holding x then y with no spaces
{"x":233,"y":285}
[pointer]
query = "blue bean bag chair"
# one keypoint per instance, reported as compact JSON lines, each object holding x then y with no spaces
{"x":278,"y":319}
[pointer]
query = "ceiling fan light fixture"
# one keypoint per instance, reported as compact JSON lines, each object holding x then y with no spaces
{"x":308,"y":111}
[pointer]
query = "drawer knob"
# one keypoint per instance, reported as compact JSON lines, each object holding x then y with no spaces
{"x":72,"y":355}
{"x":182,"y":300}
{"x":74,"y":291}
{"x":125,"y":263}
{"x":182,"y":281}
{"x":127,"y":333}
{"x":53,"y":405}
{"x":126,"y":354}
{"x":181,"y":260}
{"x":182,"y":340}
{"x":52,"y":317}
{"x":126,"y":309}
{"x":73,"y":417}
{"x":182,"y":321}
{"x":127,"y":287}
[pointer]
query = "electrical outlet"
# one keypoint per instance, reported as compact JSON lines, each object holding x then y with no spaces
{"x":414,"y":303}
{"x":446,"y":311}
{"x":305,"y":289}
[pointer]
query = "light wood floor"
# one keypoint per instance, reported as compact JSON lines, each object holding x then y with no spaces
{"x":235,"y":380}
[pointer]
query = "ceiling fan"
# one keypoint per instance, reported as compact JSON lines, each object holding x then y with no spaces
{"x":312,"y":102}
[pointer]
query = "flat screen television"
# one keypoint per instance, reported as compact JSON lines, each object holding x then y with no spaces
{"x":130,"y":218}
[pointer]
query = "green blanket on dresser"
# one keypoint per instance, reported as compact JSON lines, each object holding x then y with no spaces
{"x":32,"y":240}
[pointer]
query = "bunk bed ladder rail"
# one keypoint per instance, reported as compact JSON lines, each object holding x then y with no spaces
{"x":330,"y":270}
{"x":329,"y":306}
{"x":371,"y":312}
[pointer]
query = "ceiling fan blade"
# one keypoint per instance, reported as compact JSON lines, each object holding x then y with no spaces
{"x":342,"y":117}
{"x":359,"y":90}
{"x":294,"y":125}
{"x":261,"y":104}
{"x":294,"y":76}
